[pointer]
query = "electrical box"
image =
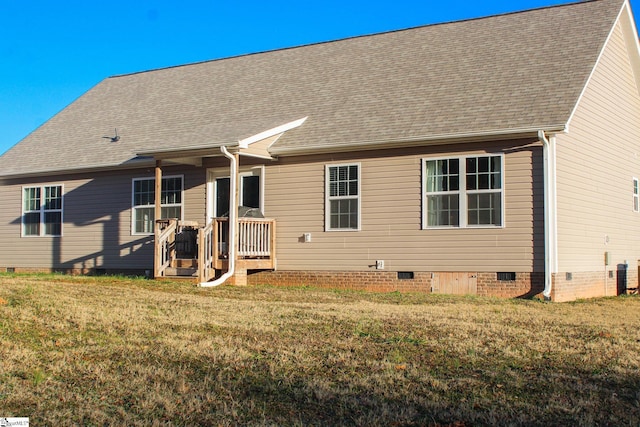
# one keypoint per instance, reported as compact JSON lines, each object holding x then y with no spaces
{"x":379,"y":264}
{"x":607,"y":258}
{"x":307,"y":237}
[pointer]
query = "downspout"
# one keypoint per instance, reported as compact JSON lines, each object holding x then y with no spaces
{"x":550,"y":231}
{"x":233,"y":169}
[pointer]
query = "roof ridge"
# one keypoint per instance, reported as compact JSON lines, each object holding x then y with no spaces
{"x":435,"y":24}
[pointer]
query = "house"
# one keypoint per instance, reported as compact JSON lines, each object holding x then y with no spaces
{"x":495,"y":156}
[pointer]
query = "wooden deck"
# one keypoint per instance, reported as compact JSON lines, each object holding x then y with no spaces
{"x":185,"y":249}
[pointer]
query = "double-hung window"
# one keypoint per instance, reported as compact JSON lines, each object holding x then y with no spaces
{"x":342,"y":210}
{"x":144,"y":202}
{"x":463,"y":192}
{"x":442,"y":186}
{"x":42,"y":210}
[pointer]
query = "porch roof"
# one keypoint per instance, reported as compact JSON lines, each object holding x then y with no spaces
{"x":256,"y":145}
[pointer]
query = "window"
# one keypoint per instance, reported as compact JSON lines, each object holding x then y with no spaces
{"x":342,"y":210}
{"x":463,"y":192}
{"x":143,"y":214}
{"x":443,"y":192}
{"x":636,"y":196}
{"x":42,"y":211}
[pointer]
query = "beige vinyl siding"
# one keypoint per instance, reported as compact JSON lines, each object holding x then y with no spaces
{"x":596,"y":163}
{"x":194,"y":193}
{"x":391,"y":188}
{"x":261,"y":148}
{"x":97,"y":222}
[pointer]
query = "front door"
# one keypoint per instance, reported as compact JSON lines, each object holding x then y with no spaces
{"x":250,"y":193}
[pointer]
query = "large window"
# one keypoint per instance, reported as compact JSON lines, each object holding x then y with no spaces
{"x":143,"y":214}
{"x":42,"y":211}
{"x":342,"y":211}
{"x":463,"y":192}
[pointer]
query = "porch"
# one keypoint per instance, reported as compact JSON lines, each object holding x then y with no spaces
{"x":226,"y":246}
{"x":185,"y":249}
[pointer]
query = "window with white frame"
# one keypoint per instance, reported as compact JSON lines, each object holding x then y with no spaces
{"x":42,"y":210}
{"x":636,"y":195}
{"x":143,"y":214}
{"x":442,"y":186}
{"x":463,"y":191}
{"x":342,"y":210}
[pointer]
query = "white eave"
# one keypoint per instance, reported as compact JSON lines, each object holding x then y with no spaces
{"x":186,"y":154}
{"x":440,"y":139}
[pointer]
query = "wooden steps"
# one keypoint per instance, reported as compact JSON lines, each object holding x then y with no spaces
{"x":183,"y":268}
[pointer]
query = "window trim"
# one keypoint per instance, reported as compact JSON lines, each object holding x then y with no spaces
{"x":328,"y":198}
{"x":42,"y":210}
{"x":462,"y":193}
{"x":134,"y":207}
{"x":636,"y":194}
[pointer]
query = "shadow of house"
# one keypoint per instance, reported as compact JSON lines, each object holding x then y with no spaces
{"x":97,"y":228}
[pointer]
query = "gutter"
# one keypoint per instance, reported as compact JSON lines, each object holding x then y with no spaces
{"x":550,"y":212}
{"x":452,"y":138}
{"x":146,"y":159}
{"x":233,"y":212}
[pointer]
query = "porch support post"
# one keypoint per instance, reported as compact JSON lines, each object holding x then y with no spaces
{"x":157,"y":259}
{"x":158,"y":190}
{"x":238,"y":279}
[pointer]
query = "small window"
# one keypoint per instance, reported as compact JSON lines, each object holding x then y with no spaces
{"x":636,"y":195}
{"x":42,"y":211}
{"x":342,"y":210}
{"x":143,"y":214}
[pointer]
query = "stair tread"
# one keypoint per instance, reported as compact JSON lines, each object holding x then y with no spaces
{"x":181,"y":271}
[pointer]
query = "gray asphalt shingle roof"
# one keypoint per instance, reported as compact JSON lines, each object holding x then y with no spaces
{"x":522,"y":70}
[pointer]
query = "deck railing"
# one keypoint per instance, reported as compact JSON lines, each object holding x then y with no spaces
{"x":255,"y":237}
{"x":256,"y":245}
{"x":165,"y":233}
{"x":207,"y":238}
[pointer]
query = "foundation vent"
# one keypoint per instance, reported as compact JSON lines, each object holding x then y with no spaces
{"x":405,"y":275}
{"x":506,"y":276}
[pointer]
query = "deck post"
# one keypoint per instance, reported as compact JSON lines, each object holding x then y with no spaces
{"x":272,"y":245}
{"x":201,"y":255}
{"x":216,"y":243}
{"x":157,"y":259}
{"x":236,"y":241}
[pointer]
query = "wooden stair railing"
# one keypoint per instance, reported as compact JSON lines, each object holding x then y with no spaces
{"x":165,"y":247}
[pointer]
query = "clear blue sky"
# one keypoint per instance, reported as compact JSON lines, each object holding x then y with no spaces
{"x":52,"y":51}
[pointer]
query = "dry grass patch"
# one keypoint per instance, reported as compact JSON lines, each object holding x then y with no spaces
{"x":105,"y":351}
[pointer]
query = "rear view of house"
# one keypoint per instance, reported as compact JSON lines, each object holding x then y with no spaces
{"x":494,"y":156}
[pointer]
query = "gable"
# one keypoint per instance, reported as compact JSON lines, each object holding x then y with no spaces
{"x":620,"y":55}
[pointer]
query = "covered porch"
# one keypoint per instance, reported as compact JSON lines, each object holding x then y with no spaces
{"x":229,"y":242}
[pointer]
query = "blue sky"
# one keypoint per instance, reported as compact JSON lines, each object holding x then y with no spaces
{"x":51,"y":52}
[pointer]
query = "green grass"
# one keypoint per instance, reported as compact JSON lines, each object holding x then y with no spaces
{"x":129,"y":351}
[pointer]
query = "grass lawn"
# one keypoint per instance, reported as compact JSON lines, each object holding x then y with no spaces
{"x":116,"y":351}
